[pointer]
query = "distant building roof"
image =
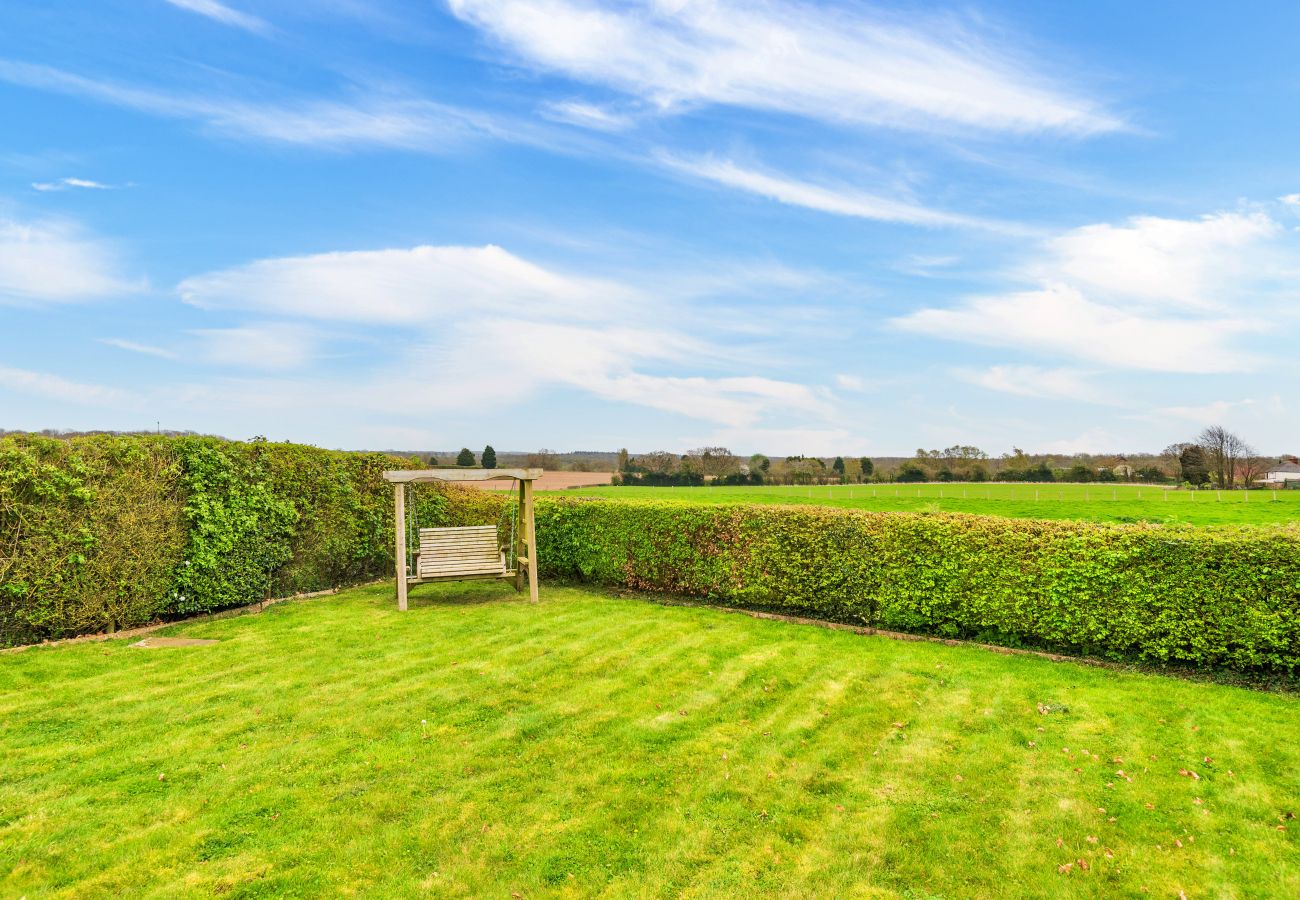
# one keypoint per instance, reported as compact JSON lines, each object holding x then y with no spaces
{"x":1283,"y":467}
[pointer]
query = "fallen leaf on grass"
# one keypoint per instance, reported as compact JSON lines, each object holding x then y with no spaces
{"x":1065,"y":869}
{"x":1091,"y":839}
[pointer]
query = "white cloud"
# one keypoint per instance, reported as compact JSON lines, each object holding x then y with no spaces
{"x":783,"y":441}
{"x":587,"y":115}
{"x":1185,"y":262}
{"x":222,"y":13}
{"x":1036,"y":381}
{"x":1207,"y":413}
{"x":54,"y":387}
{"x":370,"y":120}
{"x":834,"y":65}
{"x":1290,"y":200}
{"x":133,"y":347}
{"x":1159,"y":294}
{"x":840,"y":201}
{"x":64,"y":184}
{"x":480,"y":326}
{"x":56,"y":262}
{"x":851,"y":382}
{"x":1059,"y":320}
{"x":1094,"y":440}
{"x":397,"y":286}
{"x":265,"y":346}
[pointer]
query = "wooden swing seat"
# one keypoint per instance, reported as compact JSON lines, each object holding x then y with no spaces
{"x":468,"y":551}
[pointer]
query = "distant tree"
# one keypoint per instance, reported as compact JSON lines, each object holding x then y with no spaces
{"x":658,"y":462}
{"x":465,"y":457}
{"x":711,"y":462}
{"x":910,"y":471}
{"x":803,"y":470}
{"x":1107,"y":474}
{"x":867,"y":467}
{"x":433,"y":461}
{"x":623,"y":460}
{"x":759,"y":463}
{"x":1192,"y":466}
{"x":1252,"y":467}
{"x":1079,"y":472}
{"x":1153,"y":474}
{"x":1223,"y":451}
{"x":838,"y":467}
{"x":489,"y":460}
{"x":544,"y":459}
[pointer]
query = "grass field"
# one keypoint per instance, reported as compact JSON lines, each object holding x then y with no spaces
{"x":1095,"y":502}
{"x":594,"y":745}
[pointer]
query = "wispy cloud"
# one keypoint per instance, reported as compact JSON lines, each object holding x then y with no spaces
{"x":1036,"y":381}
{"x":368,"y":120}
{"x":64,"y":184}
{"x":55,"y":261}
{"x":1155,"y":294}
{"x":840,"y":201}
{"x":268,"y":345}
{"x":517,"y":325}
{"x":55,"y":387}
{"x":1153,"y":260}
{"x":1058,"y":320}
{"x":587,"y":115}
{"x":850,"y":66}
{"x":134,"y":347}
{"x":406,"y":285}
{"x":222,"y":13}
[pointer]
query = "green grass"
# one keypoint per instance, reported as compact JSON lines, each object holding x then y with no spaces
{"x":1095,"y":502}
{"x":595,"y":745}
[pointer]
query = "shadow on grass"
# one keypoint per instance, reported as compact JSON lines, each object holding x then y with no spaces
{"x":461,"y":593}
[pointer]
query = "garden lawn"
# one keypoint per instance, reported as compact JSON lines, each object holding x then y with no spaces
{"x":480,"y":746}
{"x":1088,"y":502}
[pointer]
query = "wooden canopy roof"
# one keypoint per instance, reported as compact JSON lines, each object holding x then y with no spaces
{"x":409,"y":476}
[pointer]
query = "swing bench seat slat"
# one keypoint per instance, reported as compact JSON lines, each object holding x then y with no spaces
{"x":468,"y":550}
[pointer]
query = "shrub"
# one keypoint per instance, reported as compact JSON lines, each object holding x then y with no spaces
{"x":1213,"y":597}
{"x":106,"y":532}
{"x":91,"y":533}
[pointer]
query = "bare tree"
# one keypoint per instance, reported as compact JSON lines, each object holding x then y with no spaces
{"x":660,"y":462}
{"x":544,"y":459}
{"x":1252,"y":467}
{"x":713,"y":462}
{"x":1224,"y":452}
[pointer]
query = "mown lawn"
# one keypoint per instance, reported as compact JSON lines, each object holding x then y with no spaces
{"x":480,"y":746}
{"x":1089,"y":502}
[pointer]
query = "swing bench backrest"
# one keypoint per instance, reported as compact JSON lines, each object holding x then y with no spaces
{"x":452,"y":552}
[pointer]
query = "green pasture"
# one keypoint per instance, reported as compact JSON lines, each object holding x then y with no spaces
{"x":1092,"y":502}
{"x":597,"y":745}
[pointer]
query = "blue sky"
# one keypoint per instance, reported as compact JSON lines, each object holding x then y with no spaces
{"x":818,"y":228}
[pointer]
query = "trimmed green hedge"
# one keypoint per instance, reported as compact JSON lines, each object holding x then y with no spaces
{"x":105,"y":532}
{"x":1226,"y":597}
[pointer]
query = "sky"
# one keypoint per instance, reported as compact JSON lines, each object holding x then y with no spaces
{"x":828,"y":228}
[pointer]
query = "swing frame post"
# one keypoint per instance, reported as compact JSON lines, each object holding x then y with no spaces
{"x":469,"y":552}
{"x":399,"y":557}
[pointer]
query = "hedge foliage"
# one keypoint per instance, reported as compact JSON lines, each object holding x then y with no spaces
{"x":1225,"y":597}
{"x":105,"y":532}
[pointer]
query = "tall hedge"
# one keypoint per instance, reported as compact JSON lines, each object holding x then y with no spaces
{"x":1225,"y":597}
{"x":105,"y":532}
